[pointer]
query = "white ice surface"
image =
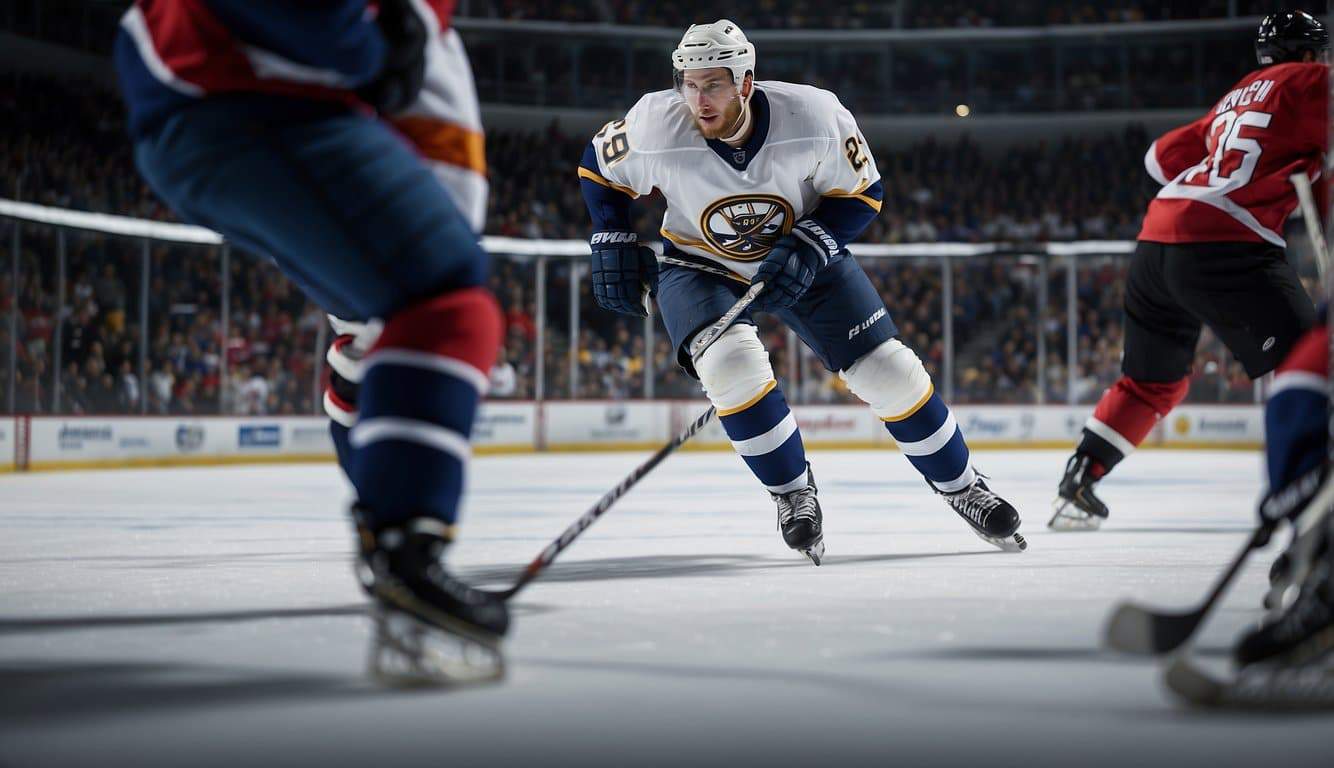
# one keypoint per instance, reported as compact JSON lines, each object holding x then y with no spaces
{"x":209,"y":617}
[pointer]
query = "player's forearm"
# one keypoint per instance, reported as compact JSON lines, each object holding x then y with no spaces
{"x":846,"y":217}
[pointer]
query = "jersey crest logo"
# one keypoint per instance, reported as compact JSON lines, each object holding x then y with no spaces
{"x":745,"y":227}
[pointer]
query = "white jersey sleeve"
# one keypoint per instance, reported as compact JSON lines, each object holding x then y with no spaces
{"x":620,"y":146}
{"x":847,"y":167}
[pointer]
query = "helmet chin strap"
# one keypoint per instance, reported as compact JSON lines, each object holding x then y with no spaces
{"x":742,"y":123}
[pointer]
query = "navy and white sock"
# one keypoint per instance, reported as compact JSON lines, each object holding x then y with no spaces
{"x":934,"y":444}
{"x":765,"y":435}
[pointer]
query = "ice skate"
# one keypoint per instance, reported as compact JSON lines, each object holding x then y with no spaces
{"x":1300,"y":627}
{"x":1303,"y":633}
{"x":992,"y":518}
{"x":430,"y":628}
{"x":800,"y":519}
{"x":1076,"y":508}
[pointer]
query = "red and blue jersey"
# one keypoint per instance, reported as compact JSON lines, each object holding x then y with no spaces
{"x":172,"y":52}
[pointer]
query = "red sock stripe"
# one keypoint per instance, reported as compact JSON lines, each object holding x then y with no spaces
{"x":342,"y":404}
{"x":464,"y":325}
{"x":1132,"y":407}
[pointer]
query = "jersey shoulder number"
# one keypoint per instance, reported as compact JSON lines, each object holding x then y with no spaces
{"x":615,"y":140}
{"x":854,"y":148}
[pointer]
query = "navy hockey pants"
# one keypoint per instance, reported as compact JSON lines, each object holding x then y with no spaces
{"x":339,"y":200}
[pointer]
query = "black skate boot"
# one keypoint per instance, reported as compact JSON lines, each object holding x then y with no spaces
{"x":1302,"y":634}
{"x":1076,"y":508}
{"x":992,"y":518}
{"x":430,"y":627}
{"x":800,"y":519}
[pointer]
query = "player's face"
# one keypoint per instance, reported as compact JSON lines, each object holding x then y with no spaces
{"x":713,"y":99}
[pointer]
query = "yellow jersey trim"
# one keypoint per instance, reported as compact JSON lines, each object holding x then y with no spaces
{"x":870,"y":201}
{"x":584,"y":173}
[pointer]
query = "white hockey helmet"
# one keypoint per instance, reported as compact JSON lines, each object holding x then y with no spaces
{"x":720,"y":44}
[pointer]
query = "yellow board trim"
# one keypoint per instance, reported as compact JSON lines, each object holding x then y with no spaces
{"x":496,"y":450}
{"x":138,"y":462}
{"x":584,"y":173}
{"x":219,"y":461}
{"x":763,"y":391}
{"x":930,"y":390}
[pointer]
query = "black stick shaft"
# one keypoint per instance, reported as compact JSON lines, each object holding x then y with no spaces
{"x":1257,"y":540}
{"x":553,"y":550}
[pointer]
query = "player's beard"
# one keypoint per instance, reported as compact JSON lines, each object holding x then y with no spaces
{"x":731,"y":118}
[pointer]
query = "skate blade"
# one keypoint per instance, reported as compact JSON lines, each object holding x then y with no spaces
{"x":1068,"y":517}
{"x":407,"y":652}
{"x":815,"y":553}
{"x":1015,"y":542}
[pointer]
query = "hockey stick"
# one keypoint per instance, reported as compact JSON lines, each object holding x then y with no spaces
{"x":1311,"y":216}
{"x":1135,"y":629}
{"x":711,"y":334}
{"x":702,"y":342}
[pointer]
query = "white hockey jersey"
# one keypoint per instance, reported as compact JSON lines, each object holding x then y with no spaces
{"x":728,"y":205}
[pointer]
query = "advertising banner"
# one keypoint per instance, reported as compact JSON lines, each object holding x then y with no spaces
{"x":606,"y":423}
{"x":92,"y":441}
{"x":502,"y":425}
{"x":1225,"y":426}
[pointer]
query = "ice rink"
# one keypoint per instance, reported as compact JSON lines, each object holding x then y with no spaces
{"x":210,"y":617}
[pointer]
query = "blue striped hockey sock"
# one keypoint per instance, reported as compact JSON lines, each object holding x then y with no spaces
{"x":933,"y":442}
{"x":419,"y":394}
{"x":765,"y":435}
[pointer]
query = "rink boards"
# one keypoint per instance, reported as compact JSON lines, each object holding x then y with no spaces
{"x":79,"y":442}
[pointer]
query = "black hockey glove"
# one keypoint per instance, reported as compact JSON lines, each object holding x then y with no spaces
{"x":791,"y":266}
{"x":400,"y":80}
{"x":625,"y":273}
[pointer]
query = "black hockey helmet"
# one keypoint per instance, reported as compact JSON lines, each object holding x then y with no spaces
{"x":1285,"y":35}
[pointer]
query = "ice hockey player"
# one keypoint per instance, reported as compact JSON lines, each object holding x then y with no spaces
{"x":269,"y":122}
{"x":768,"y":181}
{"x":1301,"y":628}
{"x":1211,"y":251}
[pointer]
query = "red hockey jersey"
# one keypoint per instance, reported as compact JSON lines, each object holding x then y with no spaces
{"x":1225,"y":175}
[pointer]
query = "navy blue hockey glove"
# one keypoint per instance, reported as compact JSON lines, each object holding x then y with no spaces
{"x":625,"y":273}
{"x":790,"y":267}
{"x":1288,"y":502}
{"x":404,"y":71}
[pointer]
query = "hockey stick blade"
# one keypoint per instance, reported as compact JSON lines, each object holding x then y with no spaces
{"x":1134,"y":629}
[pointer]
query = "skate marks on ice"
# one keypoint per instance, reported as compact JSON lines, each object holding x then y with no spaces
{"x":671,"y":617}
{"x":678,"y":566}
